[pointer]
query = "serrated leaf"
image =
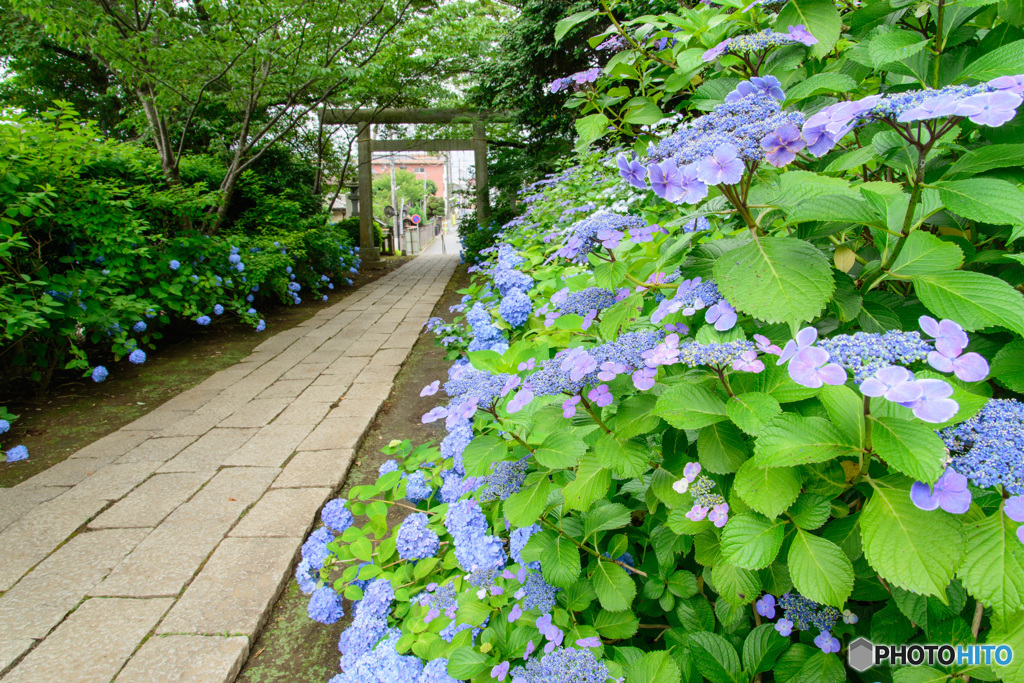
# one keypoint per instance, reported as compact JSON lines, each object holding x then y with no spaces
{"x":821,"y":668}
{"x":924,"y":253}
{"x":616,"y":625}
{"x":525,"y":507}
{"x":819,"y":84}
{"x":695,"y":614}
{"x":560,"y":562}
{"x":481,"y":453}
{"x":1007,"y":367}
{"x":985,"y":159}
{"x":565,"y":25}
{"x":838,"y":208}
{"x":654,"y":667}
{"x":810,"y":511}
{"x":625,"y":458}
{"x":1005,"y":60}
{"x":592,"y":482}
{"x":715,"y":658}
{"x":767,"y":490}
{"x":615,"y":590}
{"x":749,"y":411}
{"x":930,"y":544}
{"x":820,"y":17}
{"x":910,"y":447}
{"x":974,"y":300}
{"x":987,"y":200}
{"x":590,"y":128}
{"x":761,"y":648}
{"x":776,"y":279}
{"x":751,"y":541}
{"x":895,"y":46}
{"x":993,"y":568}
{"x":846,"y":410}
{"x":559,"y":451}
{"x":635,"y":416}
{"x":721,"y":448}
{"x":612,"y":516}
{"x":735,"y":585}
{"x":689,"y":406}
{"x":790,"y":439}
{"x":465,"y":663}
{"x":820,"y":570}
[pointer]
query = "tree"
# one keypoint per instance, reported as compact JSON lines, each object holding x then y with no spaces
{"x":407,"y":187}
{"x":265,"y":66}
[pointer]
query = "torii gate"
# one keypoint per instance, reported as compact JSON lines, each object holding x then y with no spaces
{"x":364,"y":117}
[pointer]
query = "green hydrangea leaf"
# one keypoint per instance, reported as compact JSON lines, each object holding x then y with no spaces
{"x":615,"y":590}
{"x":910,"y":447}
{"x":716,"y":659}
{"x":768,"y":490}
{"x":909,"y":547}
{"x":776,"y":279}
{"x":749,"y":411}
{"x":820,"y":570}
{"x":751,"y":541}
{"x":993,"y":568}
{"x":689,"y":406}
{"x":790,"y":439}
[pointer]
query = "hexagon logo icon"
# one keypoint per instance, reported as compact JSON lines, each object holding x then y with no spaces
{"x":861,"y":654}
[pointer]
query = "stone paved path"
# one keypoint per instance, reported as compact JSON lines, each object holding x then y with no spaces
{"x":156,"y":553}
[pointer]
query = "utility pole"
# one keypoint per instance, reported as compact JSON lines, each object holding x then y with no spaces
{"x":396,"y":222}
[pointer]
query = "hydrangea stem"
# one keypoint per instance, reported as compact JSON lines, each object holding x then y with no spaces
{"x":593,"y":552}
{"x":865,"y":456}
{"x":587,"y":407}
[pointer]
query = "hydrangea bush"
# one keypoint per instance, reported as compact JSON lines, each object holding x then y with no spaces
{"x":95,"y":264}
{"x":736,"y":392}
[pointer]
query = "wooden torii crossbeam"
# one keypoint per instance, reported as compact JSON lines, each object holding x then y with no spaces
{"x":364,"y":117}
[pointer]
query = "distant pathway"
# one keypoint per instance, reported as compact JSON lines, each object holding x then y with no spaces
{"x":156,"y":553}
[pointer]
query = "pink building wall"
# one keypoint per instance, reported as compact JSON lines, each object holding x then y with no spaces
{"x":432,"y":167}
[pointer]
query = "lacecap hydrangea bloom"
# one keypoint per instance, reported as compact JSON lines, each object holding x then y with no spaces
{"x":987,"y":447}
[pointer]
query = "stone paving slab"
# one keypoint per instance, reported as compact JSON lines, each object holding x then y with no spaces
{"x":16,"y":502}
{"x":30,"y":539}
{"x":315,"y":468}
{"x":283,"y":512}
{"x":186,"y":659}
{"x":61,"y":581}
{"x":235,"y":590}
{"x":156,"y":449}
{"x":194,"y":514}
{"x":150,"y":503}
{"x":102,"y":634}
{"x":210,"y":451}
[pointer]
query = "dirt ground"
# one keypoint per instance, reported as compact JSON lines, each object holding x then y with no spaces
{"x":293,"y":648}
{"x":78,"y":411}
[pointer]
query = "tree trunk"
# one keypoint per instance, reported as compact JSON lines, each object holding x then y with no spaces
{"x":161,"y":136}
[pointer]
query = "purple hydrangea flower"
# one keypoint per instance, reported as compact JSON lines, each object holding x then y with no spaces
{"x":633,"y":172}
{"x":723,"y":166}
{"x":970,"y":367}
{"x":934,"y":405}
{"x":722,"y":315}
{"x":766,"y":606}
{"x":810,"y":368}
{"x":19,"y":452}
{"x":894,"y":383}
{"x":804,"y":339}
{"x":826,"y":642}
{"x":781,"y":146}
{"x":949,"y":337}
{"x":991,"y":108}
{"x":950,"y":493}
{"x":800,"y":34}
{"x":600,"y":395}
{"x":784,"y":627}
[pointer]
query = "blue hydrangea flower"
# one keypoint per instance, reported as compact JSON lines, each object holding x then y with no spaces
{"x":5,"y":426}
{"x":986,"y":448}
{"x":475,"y":549}
{"x":369,"y":625}
{"x":138,"y":356}
{"x":99,"y":373}
{"x":203,"y":320}
{"x":314,"y":550}
{"x":436,"y":671}
{"x":388,"y":466}
{"x":234,"y":258}
{"x":864,"y":353}
{"x":416,"y":487}
{"x":174,"y":265}
{"x":305,"y":576}
{"x":325,"y":606}
{"x":336,"y":515}
{"x":805,"y":613}
{"x":17,"y":453}
{"x":415,"y":540}
{"x":517,"y":541}
{"x":563,"y":665}
{"x":508,"y":476}
{"x":515,"y":308}
{"x":218,"y":309}
{"x":261,"y":325}
{"x":139,"y":327}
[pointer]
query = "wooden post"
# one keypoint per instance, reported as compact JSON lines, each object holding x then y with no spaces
{"x":369,"y":253}
{"x":483,"y":203}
